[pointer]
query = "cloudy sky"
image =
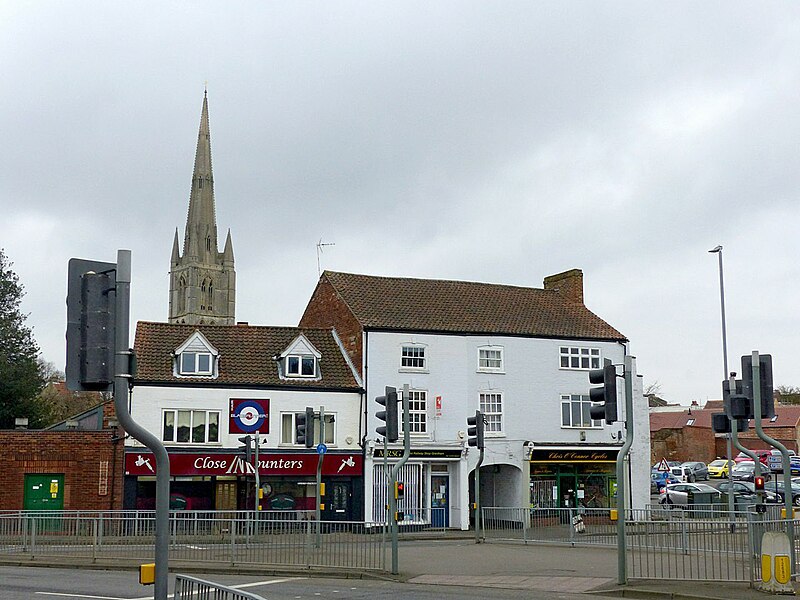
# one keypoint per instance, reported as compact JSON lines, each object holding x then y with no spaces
{"x":485,"y":141}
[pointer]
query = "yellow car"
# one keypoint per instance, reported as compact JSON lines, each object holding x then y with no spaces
{"x":718,"y":468}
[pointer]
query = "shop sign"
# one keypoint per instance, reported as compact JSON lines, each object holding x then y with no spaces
{"x":431,"y":453}
{"x":249,"y":416}
{"x":572,"y":455}
{"x":143,"y":463}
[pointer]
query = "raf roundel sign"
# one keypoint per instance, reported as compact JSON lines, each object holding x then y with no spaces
{"x":249,"y":416}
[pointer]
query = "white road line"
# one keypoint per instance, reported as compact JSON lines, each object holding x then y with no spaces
{"x":65,"y":595}
{"x":236,"y":587}
{"x":268,"y":582}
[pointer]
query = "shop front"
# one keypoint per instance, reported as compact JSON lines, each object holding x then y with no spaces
{"x":575,"y":476}
{"x":225,"y":481}
{"x":431,"y":479}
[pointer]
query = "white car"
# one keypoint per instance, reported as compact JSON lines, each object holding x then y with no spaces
{"x":678,"y":493}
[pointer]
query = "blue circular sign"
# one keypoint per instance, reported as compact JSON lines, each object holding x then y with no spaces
{"x":322,"y":449}
{"x":249,"y":416}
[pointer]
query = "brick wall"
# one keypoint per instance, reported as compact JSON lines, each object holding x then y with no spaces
{"x":688,"y":443}
{"x":326,"y":309}
{"x":78,"y":455}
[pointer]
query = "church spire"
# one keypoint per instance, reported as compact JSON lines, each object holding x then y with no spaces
{"x":203,"y":280}
{"x":200,"y":239}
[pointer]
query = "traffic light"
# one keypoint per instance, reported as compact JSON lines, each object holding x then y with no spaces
{"x":476,"y":427}
{"x":399,"y":490}
{"x":765,"y":381}
{"x":389,"y":431}
{"x":720,"y":423}
{"x":304,"y":428}
{"x":759,"y":483}
{"x":605,"y":397}
{"x":248,"y":447}
{"x":91,"y":325}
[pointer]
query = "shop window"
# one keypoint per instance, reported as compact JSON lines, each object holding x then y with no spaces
{"x":190,"y":426}
{"x":575,"y":412}
{"x":572,"y":357}
{"x":288,"y":428}
{"x":414,"y":502}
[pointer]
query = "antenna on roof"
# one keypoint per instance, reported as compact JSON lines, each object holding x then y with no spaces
{"x":320,"y":245}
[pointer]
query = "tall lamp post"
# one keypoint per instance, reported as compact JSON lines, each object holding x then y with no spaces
{"x":734,"y":423}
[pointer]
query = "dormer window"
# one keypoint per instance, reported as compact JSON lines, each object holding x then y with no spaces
{"x":195,"y":363}
{"x":301,"y":366}
{"x":300,"y":359}
{"x":196,"y":357}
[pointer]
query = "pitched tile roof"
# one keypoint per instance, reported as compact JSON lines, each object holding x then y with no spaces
{"x":436,"y":305}
{"x":245,"y":355}
{"x":787,"y":416}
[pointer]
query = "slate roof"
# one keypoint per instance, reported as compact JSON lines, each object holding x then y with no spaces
{"x":442,"y":306}
{"x":245,"y":355}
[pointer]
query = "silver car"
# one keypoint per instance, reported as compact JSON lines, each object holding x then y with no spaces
{"x":678,"y":493}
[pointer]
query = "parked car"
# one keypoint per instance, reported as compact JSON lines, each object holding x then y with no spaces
{"x":678,"y":493}
{"x":778,"y":488}
{"x":747,"y":490}
{"x":745,"y":471}
{"x":699,"y":470}
{"x":659,"y":479}
{"x":718,"y":468}
{"x":683,"y":474}
{"x":761,"y":454}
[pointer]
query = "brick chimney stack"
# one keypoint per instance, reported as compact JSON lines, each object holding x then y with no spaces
{"x":569,"y":284}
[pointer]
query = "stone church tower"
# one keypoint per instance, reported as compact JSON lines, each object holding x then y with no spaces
{"x":202,"y":282}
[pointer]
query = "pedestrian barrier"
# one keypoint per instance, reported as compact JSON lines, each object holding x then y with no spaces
{"x":701,"y":542}
{"x":244,"y":538}
{"x":187,"y":588}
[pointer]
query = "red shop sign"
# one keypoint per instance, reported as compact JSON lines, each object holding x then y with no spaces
{"x":270,"y":463}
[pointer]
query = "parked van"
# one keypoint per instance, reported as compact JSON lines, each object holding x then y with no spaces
{"x":683,"y":474}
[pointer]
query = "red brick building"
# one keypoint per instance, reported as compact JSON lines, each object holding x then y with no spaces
{"x":687,"y":434}
{"x":69,"y":469}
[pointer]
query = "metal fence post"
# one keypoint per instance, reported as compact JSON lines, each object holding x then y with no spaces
{"x":684,"y":536}
{"x":233,"y":540}
{"x":33,"y":536}
{"x":94,"y":538}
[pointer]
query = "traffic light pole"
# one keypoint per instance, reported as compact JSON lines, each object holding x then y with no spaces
{"x":478,"y":496}
{"x":788,"y":496}
{"x":622,"y":543}
{"x":122,"y":378}
{"x":393,"y":479}
{"x":258,"y":480}
{"x":320,"y":455}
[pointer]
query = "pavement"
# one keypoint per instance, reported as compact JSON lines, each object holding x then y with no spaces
{"x":459,"y":561}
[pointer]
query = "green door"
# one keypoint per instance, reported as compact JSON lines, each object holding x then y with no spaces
{"x":44,"y":492}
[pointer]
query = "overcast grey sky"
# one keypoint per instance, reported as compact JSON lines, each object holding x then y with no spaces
{"x":484,"y":141}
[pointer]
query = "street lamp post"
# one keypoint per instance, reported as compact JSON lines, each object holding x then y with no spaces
{"x":734,"y":423}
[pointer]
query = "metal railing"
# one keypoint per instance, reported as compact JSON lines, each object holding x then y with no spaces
{"x":701,"y":542}
{"x":241,"y":539}
{"x":187,"y":588}
{"x":574,"y":526}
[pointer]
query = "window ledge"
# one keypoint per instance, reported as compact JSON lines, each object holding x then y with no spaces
{"x":495,"y":371}
{"x":412,"y":370}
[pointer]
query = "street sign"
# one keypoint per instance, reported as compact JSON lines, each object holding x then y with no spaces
{"x":322,"y":449}
{"x":663,"y":466}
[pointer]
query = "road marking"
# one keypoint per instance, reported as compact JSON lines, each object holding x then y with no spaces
{"x":63,"y":595}
{"x":267,"y":582}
